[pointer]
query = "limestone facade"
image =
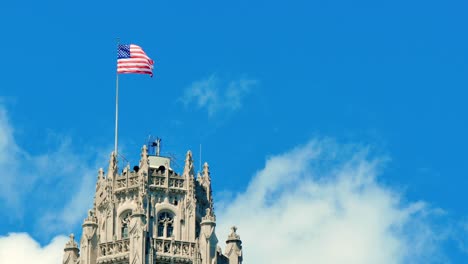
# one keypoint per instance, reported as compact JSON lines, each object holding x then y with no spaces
{"x":150,"y":214}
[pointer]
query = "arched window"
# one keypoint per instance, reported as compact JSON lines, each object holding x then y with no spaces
{"x":165,"y":224}
{"x":125,"y":220}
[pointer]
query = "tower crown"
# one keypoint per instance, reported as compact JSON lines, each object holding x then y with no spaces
{"x":150,"y":214}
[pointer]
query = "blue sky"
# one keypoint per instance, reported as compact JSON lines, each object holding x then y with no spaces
{"x":250,"y":81}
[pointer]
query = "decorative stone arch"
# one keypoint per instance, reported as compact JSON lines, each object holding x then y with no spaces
{"x":166,"y":206}
{"x":124,"y":223}
{"x":171,"y":209}
{"x":122,"y":211}
{"x":127,"y":205}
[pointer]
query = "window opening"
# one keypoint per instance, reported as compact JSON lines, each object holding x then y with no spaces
{"x":125,"y":223}
{"x":165,"y":224}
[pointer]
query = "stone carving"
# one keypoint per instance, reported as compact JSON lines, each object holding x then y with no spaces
{"x":144,"y":160}
{"x":233,"y":235}
{"x":112,"y":238}
{"x":188,"y":167}
{"x":209,"y":216}
{"x":100,"y":174}
{"x":71,"y":244}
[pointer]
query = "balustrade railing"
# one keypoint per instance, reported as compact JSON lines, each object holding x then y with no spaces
{"x":113,"y":248}
{"x":176,"y":182}
{"x":168,"y":247}
{"x":122,"y":181}
{"x":158,"y":180}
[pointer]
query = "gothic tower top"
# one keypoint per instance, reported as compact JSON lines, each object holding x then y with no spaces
{"x":152,"y":214}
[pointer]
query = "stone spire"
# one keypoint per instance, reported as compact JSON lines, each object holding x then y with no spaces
{"x":206,"y":171}
{"x":206,"y":182}
{"x":112,"y":171}
{"x":142,"y":178}
{"x":144,"y":159}
{"x":188,"y":167}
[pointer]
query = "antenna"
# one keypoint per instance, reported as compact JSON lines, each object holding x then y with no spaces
{"x":123,"y":157}
{"x":173,"y":159}
{"x":154,"y":145}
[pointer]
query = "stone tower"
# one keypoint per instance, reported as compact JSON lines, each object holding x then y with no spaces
{"x":150,"y":215}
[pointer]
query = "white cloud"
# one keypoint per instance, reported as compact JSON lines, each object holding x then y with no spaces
{"x":9,"y":154}
{"x":20,"y":248}
{"x":461,"y":235}
{"x":321,"y":203}
{"x":46,"y":181}
{"x":215,"y":96}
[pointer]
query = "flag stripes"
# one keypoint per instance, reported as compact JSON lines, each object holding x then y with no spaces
{"x":132,"y":59}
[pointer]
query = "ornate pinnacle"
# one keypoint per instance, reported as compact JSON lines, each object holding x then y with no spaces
{"x":91,"y":216}
{"x":233,"y":235}
{"x":71,"y":244}
{"x":144,"y":157}
{"x":209,"y":215}
{"x":188,"y":156}
{"x":100,"y":174}
{"x":188,"y":162}
{"x":112,"y":165}
{"x":206,"y":169}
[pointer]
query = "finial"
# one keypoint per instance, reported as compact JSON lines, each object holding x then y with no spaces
{"x":100,"y":174}
{"x":112,"y":165}
{"x":91,"y":216}
{"x":188,"y":156}
{"x":188,"y":167}
{"x":144,"y":158}
{"x":209,"y":215}
{"x":206,"y":169}
{"x":233,"y":236}
{"x":71,"y":244}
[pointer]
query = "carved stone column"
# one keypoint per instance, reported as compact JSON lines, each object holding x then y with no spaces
{"x":137,"y":236}
{"x":208,"y":240}
{"x":89,"y":240}
{"x":234,"y":247}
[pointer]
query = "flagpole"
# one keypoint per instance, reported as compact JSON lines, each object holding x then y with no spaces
{"x":116,"y":106}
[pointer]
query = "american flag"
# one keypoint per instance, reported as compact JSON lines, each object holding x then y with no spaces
{"x":132,"y":59}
